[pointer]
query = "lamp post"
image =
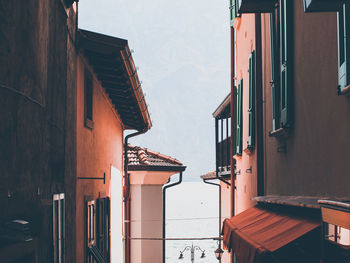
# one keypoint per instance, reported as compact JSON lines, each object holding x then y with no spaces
{"x":192,"y":249}
{"x":218,"y":252}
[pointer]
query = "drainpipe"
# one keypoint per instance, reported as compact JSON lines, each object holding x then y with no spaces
{"x":259,"y":108}
{"x":233,"y":103}
{"x":206,"y":181}
{"x":126,"y":195}
{"x":164,"y":206}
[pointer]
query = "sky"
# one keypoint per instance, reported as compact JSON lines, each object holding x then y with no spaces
{"x":182,"y":51}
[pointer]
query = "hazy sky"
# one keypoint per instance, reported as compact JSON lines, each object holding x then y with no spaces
{"x":182,"y":49}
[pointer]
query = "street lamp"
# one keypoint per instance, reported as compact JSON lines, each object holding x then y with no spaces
{"x":218,"y":252}
{"x":192,"y":249}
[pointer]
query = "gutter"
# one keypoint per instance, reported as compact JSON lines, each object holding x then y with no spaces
{"x":164,"y":207}
{"x":126,"y":195}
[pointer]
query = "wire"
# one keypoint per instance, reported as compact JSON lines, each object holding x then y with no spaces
{"x":175,"y":238}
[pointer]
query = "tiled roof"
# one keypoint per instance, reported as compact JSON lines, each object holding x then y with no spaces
{"x":144,"y":159}
{"x":211,"y":175}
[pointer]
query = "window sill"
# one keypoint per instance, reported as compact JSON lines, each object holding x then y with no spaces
{"x":89,"y":124}
{"x":345,"y":91}
{"x":280,"y":133}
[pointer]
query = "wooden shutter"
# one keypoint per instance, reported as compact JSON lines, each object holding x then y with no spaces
{"x":234,"y":119}
{"x":344,"y":46}
{"x":251,"y":110}
{"x":275,"y":70}
{"x":101,"y":223}
{"x":103,"y":227}
{"x":239,"y":126}
{"x":108,"y":228}
{"x":286,"y":43}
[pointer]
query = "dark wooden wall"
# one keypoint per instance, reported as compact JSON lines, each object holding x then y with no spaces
{"x":37,"y":114}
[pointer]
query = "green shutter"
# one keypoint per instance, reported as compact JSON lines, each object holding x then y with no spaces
{"x":239,"y":126}
{"x":233,"y":11}
{"x":251,"y":110}
{"x":234,"y":119}
{"x":274,"y":74}
{"x":286,"y":59}
{"x":344,"y":46}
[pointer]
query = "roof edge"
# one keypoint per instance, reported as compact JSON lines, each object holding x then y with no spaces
{"x":222,"y":106}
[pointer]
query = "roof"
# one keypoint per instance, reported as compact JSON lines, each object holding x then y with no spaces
{"x":141,"y":159}
{"x":212,"y":175}
{"x":111,"y":60}
{"x":301,"y":201}
{"x":224,"y":109}
{"x":209,"y":176}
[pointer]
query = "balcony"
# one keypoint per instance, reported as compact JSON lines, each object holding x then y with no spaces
{"x":256,"y":6}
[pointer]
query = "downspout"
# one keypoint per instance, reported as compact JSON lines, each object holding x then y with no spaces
{"x":233,"y":103}
{"x":259,"y":108}
{"x":206,"y":181}
{"x":126,"y":195}
{"x":164,"y":207}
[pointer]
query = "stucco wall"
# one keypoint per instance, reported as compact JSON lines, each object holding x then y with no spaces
{"x":316,"y":161}
{"x":246,"y":182}
{"x":97,"y":149}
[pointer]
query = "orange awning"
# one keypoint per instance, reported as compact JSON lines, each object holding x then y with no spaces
{"x":255,"y":233}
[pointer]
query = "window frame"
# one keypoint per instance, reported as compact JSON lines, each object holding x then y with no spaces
{"x":251,"y":109}
{"x":343,"y":35}
{"x":90,"y":228}
{"x":58,"y":219}
{"x":281,"y":34}
{"x":239,"y":118}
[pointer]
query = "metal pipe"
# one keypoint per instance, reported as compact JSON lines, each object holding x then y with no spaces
{"x":232,"y":160}
{"x":164,"y":207}
{"x":259,"y":107}
{"x":206,"y":181}
{"x":126,"y":193}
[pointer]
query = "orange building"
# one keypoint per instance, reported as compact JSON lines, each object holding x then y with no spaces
{"x":109,"y":101}
{"x":290,"y":120}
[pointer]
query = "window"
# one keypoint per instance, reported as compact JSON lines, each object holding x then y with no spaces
{"x":58,"y":227}
{"x":281,"y":65}
{"x":90,"y":228}
{"x":344,"y":48}
{"x":239,"y":118}
{"x":233,"y":11}
{"x":286,"y":58}
{"x":88,"y":100}
{"x":251,"y":110}
{"x":274,"y":39}
{"x":103,"y":226}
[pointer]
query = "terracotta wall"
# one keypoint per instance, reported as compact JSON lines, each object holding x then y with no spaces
{"x":97,"y":149}
{"x":316,"y":161}
{"x":246,"y":183}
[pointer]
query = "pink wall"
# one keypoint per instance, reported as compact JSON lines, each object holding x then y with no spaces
{"x":97,"y":149}
{"x":246,"y":183}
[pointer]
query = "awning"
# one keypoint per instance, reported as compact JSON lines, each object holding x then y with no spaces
{"x":256,"y":233}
